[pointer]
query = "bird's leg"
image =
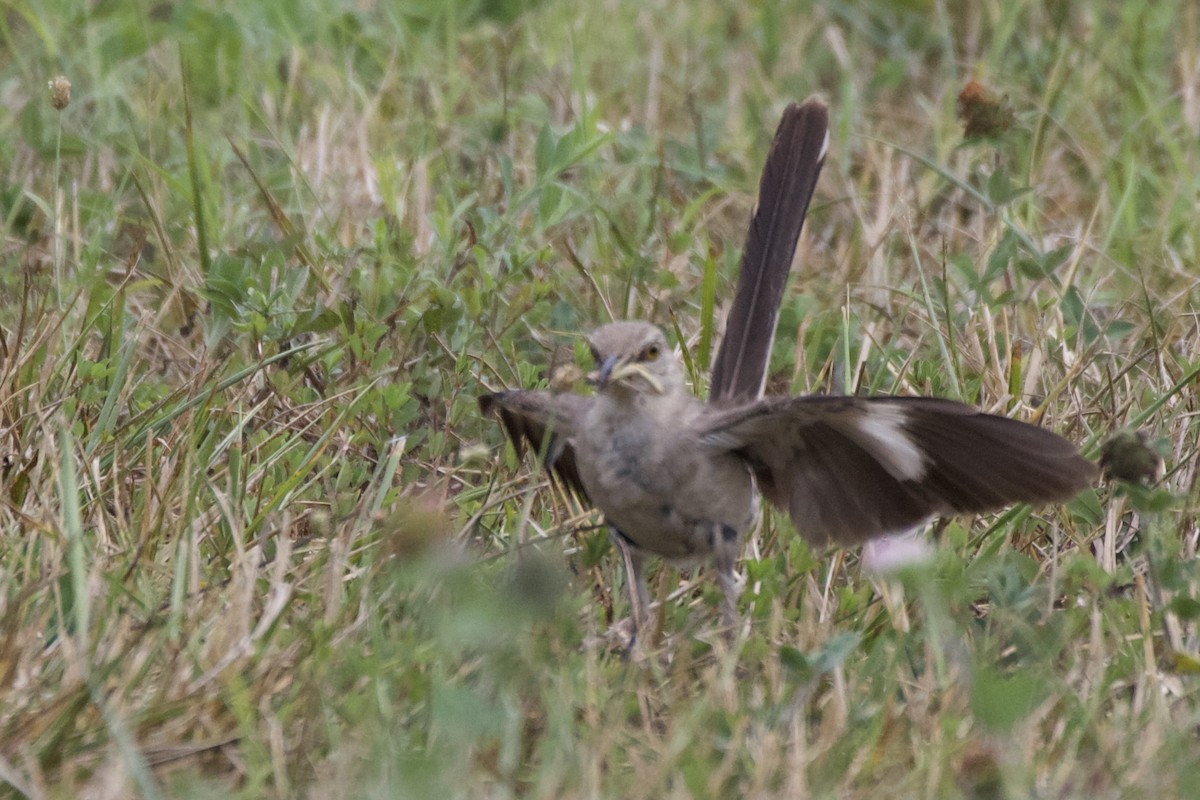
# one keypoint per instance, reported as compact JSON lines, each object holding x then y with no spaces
{"x":635,"y":579}
{"x":730,"y":586}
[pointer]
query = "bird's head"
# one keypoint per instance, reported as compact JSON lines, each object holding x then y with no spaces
{"x":633,"y":357}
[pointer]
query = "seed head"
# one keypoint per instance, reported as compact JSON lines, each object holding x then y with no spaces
{"x":60,"y":93}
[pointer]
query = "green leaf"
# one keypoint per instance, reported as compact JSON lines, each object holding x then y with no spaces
{"x":543,"y":152}
{"x":1002,"y":255}
{"x":1001,"y":701}
{"x":1001,"y":189}
{"x":1184,"y":607}
{"x":807,"y":666}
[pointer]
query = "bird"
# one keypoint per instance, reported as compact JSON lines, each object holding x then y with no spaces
{"x":682,"y":479}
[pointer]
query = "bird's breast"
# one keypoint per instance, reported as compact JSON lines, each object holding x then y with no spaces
{"x":662,"y":488}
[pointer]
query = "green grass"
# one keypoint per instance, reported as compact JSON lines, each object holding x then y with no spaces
{"x":256,"y":541}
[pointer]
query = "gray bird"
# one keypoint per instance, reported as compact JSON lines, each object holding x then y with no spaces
{"x":681,"y":479}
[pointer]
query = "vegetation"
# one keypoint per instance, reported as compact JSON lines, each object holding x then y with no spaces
{"x":256,"y":540}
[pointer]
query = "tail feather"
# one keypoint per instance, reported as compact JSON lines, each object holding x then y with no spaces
{"x":788,"y":179}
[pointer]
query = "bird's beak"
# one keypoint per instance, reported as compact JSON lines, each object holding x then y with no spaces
{"x":601,"y":376}
{"x":617,"y":369}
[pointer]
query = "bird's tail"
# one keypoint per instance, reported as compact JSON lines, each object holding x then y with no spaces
{"x":788,"y":179}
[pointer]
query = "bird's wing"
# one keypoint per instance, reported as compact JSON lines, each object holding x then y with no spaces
{"x":545,"y":421}
{"x":851,"y":468}
{"x":788,"y":179}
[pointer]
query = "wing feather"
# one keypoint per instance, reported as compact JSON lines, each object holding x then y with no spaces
{"x":848,"y":469}
{"x":544,"y":422}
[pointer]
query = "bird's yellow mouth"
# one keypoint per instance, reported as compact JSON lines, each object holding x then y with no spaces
{"x":614,"y":371}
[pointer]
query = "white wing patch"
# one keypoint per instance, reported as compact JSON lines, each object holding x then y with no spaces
{"x":880,"y":431}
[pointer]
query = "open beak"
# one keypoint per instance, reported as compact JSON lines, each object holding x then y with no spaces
{"x":616,"y":369}
{"x":604,"y":373}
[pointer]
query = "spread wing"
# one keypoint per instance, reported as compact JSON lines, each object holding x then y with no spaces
{"x":545,"y":422}
{"x":848,"y":469}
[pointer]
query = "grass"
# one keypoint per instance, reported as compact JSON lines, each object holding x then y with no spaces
{"x":256,"y":541}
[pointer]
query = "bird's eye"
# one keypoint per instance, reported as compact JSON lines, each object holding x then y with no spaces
{"x":649,"y":353}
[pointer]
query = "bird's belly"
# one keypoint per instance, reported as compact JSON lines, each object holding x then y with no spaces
{"x":675,"y":505}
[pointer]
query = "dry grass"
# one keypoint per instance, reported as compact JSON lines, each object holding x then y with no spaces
{"x":255,"y":539}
